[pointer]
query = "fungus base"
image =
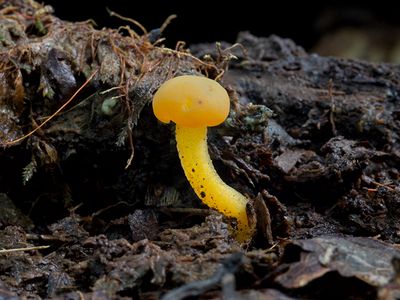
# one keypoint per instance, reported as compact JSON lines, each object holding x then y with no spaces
{"x":209,"y":187}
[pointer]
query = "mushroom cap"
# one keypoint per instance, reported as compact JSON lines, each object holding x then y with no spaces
{"x":191,"y":101}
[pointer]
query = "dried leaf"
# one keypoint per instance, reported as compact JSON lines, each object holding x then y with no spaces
{"x":364,"y":258}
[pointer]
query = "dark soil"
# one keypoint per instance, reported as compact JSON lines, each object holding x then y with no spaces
{"x":94,"y":204}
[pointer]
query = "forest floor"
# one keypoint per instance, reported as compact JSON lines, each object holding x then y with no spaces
{"x":93,"y":201}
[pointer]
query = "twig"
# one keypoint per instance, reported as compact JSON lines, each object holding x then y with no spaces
{"x":4,"y":251}
{"x":167,"y":22}
{"x":114,"y":14}
{"x":54,"y":114}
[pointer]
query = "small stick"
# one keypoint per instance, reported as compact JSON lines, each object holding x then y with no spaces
{"x":4,"y":251}
{"x":54,"y":114}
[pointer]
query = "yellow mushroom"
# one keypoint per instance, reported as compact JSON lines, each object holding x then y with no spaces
{"x":194,"y":103}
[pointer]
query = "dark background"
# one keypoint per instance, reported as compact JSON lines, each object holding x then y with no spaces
{"x":210,"y":21}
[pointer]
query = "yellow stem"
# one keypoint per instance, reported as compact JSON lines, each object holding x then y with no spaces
{"x":209,"y":187}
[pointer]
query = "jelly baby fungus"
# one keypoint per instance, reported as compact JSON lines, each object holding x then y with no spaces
{"x":193,"y":103}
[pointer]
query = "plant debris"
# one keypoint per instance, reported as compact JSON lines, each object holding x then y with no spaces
{"x":366,"y":259}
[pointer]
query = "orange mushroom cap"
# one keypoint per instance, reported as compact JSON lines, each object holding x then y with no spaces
{"x":191,"y":101}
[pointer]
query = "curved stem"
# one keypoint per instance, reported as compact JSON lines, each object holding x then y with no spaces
{"x":209,"y":187}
